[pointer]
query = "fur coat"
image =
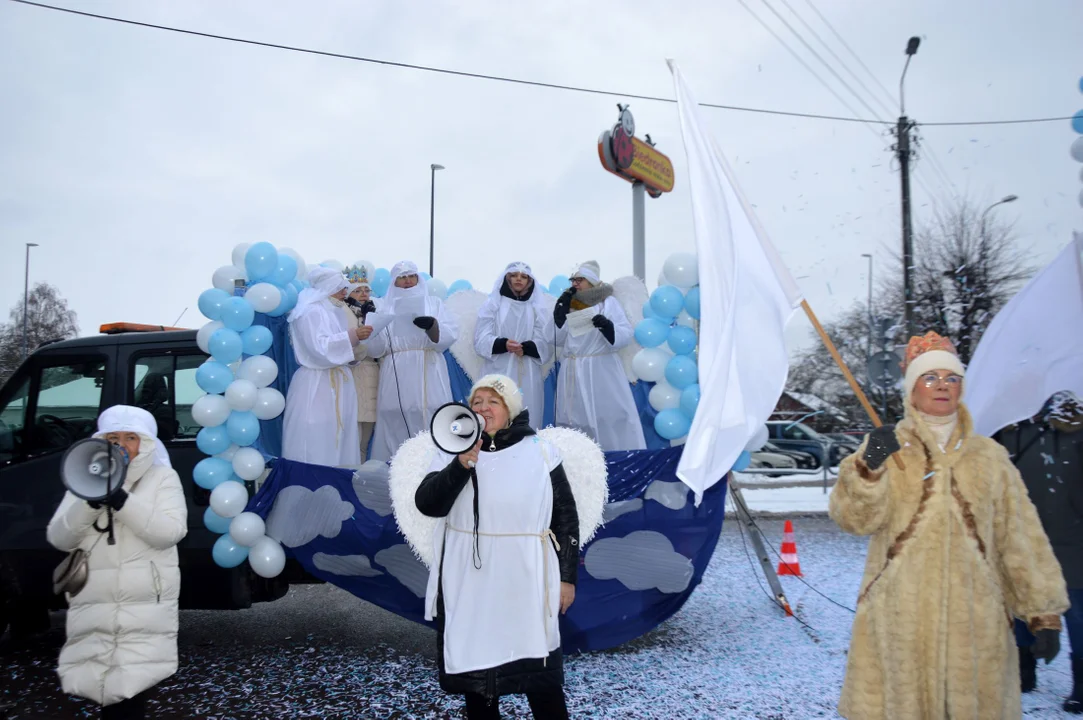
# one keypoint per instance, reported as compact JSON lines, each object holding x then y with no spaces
{"x":956,"y":550}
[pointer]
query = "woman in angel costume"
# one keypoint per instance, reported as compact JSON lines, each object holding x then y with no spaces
{"x":413,"y":373}
{"x":320,"y":422}
{"x":592,"y":388}
{"x":514,"y":335}
{"x":500,"y":528}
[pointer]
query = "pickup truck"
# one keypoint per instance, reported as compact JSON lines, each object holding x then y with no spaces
{"x":53,"y":400}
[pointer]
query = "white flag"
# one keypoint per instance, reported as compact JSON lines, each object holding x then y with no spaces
{"x":1032,"y":349}
{"x":746,"y":297}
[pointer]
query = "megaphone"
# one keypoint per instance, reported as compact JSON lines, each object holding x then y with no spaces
{"x":93,"y":469}
{"x":455,"y":428}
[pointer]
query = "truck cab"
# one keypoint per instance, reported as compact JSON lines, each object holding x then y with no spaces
{"x":52,"y":401}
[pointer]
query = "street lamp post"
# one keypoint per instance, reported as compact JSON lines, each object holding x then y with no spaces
{"x":26,"y":296}
{"x":432,"y":215}
{"x":1002,"y":201}
{"x":902,"y":149}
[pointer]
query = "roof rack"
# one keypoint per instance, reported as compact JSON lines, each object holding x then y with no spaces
{"x":118,"y":328}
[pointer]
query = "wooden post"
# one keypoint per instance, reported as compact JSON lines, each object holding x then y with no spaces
{"x":847,"y":374}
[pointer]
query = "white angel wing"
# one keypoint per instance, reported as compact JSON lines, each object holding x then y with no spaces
{"x":631,"y":293}
{"x":584,"y":464}
{"x":465,"y":306}
{"x":408,"y":468}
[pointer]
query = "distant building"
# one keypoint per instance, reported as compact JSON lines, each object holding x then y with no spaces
{"x":818,"y":414}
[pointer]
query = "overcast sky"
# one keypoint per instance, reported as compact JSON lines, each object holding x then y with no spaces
{"x":138,"y":158}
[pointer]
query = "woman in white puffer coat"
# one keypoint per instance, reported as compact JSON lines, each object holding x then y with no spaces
{"x":122,"y":626}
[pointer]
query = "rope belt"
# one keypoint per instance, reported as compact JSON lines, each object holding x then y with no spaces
{"x":336,"y":391}
{"x":569,"y":383}
{"x":547,"y":534}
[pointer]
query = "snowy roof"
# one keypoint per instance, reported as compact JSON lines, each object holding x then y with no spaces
{"x":814,"y":403}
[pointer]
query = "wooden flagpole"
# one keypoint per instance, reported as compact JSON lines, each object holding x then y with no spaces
{"x":847,"y":374}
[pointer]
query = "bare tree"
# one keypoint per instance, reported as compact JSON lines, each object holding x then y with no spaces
{"x":48,"y":318}
{"x":965,"y":270}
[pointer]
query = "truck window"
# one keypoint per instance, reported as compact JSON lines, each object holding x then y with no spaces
{"x":13,"y":422}
{"x":165,"y":386}
{"x":67,"y":406}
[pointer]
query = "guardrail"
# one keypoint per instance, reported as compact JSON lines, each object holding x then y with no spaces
{"x":823,"y":470}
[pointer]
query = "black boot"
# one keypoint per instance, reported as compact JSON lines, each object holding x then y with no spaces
{"x":1074,"y":703}
{"x":1028,"y":670}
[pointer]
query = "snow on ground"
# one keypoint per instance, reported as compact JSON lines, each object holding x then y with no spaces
{"x":781,"y":501}
{"x":749,"y":479}
{"x":728,"y":653}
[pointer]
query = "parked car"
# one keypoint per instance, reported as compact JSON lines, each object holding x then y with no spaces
{"x":853,"y":441}
{"x":767,"y":459}
{"x":798,"y":436}
{"x":804,"y":460}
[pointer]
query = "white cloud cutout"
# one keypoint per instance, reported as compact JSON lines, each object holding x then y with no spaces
{"x":614,"y":510}
{"x":640,"y":561}
{"x":300,"y":515}
{"x":674,"y":495}
{"x":356,"y":565}
{"x":370,"y":485}
{"x":404,"y":566}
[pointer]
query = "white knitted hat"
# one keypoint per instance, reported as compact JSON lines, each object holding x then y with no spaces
{"x":929,"y":353}
{"x":590,"y":270}
{"x":506,"y":388}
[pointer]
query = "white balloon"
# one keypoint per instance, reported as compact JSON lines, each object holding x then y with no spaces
{"x":681,"y":269}
{"x":229,"y":453}
{"x":264,"y":297}
{"x":269,"y":404}
{"x":224,"y":276}
{"x":239,"y":251}
{"x":203,"y":335}
{"x":241,"y":395}
{"x":650,"y":364}
{"x":758,"y":440}
{"x":1077,"y":149}
{"x":228,"y":499}
{"x":664,"y":396}
{"x":247,"y":529}
{"x":1081,"y":198}
{"x":675,"y":442}
{"x":437,"y":288}
{"x":687,"y":320}
{"x":258,"y":369}
{"x":210,"y":410}
{"x":248,"y":463}
{"x":308,"y":269}
{"x":234,"y":367}
{"x":267,"y":558}
{"x":302,"y":269}
{"x":333,"y":264}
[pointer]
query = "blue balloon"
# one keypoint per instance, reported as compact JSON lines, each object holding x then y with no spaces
{"x":285,"y":272}
{"x":559,"y":284}
{"x":213,"y":440}
{"x":459,"y":285}
{"x":381,"y":281}
{"x":215,"y":522}
{"x":1077,"y":122}
{"x":682,"y":340}
{"x":425,"y":276}
{"x":225,"y":345}
{"x":286,"y":303}
{"x":691,"y":302}
{"x":743,"y":461}
{"x":211,"y":302}
{"x":260,"y":261}
{"x":667,"y":301}
{"x":227,"y":553}
{"x":681,"y":372}
{"x":648,"y":311}
{"x":690,"y":400}
{"x":238,"y":314}
{"x":210,"y":472}
{"x":213,"y":377}
{"x":256,"y":340}
{"x":671,"y":424}
{"x":243,"y":428}
{"x":651,"y":332}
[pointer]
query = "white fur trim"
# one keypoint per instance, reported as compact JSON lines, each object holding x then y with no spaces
{"x":929,"y":361}
{"x":632,"y":294}
{"x":464,"y":306}
{"x":408,"y":468}
{"x":584,"y":464}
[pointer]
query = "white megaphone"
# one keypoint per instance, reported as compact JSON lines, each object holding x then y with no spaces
{"x":455,"y":428}
{"x":93,"y":469}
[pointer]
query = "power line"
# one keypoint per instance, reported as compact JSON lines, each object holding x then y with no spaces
{"x":516,"y":81}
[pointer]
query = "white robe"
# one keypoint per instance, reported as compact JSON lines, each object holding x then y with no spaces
{"x":519,"y":321}
{"x":592,"y":389}
{"x":320,"y":422}
{"x":413,"y":368}
{"x":508,"y":609}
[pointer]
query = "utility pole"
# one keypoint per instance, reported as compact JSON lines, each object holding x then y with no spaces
{"x":26,"y":297}
{"x":432,"y":215}
{"x":902,"y":150}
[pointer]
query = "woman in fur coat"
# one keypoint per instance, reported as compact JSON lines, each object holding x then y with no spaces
{"x":365,"y":370}
{"x":956,"y":552}
{"x":506,"y":560}
{"x":122,"y":626}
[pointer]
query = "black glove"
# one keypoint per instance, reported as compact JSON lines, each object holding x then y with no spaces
{"x":1046,"y":645}
{"x":530,"y":349}
{"x":605,"y":325}
{"x":425,"y":322}
{"x":882,"y":444}
{"x":367,"y":307}
{"x":117,"y":500}
{"x":563,"y":307}
{"x":500,"y":346}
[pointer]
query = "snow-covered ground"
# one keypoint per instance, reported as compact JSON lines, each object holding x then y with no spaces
{"x":783,"y":501}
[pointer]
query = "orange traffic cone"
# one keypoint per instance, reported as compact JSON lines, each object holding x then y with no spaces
{"x":789,"y":564}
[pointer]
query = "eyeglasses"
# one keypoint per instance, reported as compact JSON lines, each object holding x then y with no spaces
{"x":578,"y":280}
{"x":932,"y":379}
